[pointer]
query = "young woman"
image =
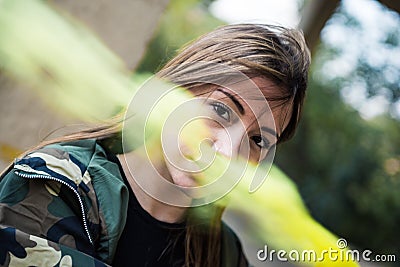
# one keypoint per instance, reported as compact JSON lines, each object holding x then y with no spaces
{"x":78,"y":201}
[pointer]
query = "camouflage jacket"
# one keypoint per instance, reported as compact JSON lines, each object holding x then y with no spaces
{"x":65,"y":205}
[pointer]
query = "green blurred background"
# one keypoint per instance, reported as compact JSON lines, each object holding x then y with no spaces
{"x":345,"y":157}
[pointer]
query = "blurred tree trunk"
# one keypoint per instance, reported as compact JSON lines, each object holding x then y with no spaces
{"x":315,"y":14}
{"x":393,"y":4}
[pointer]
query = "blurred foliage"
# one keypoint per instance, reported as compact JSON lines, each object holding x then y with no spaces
{"x":347,"y":168}
{"x":377,"y":67}
{"x":182,"y":22}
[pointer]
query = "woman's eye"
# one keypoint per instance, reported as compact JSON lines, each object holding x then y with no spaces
{"x":260,"y":141}
{"x":222,"y":110}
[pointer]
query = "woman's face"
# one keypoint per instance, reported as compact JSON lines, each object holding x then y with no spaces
{"x":239,"y":121}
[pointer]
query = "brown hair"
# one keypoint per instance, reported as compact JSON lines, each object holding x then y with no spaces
{"x":269,"y":51}
{"x":273,"y":52}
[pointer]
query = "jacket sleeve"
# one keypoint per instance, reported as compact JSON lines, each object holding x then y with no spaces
{"x":37,"y":227}
{"x":21,"y":249}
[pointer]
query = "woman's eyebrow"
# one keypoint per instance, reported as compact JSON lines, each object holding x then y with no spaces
{"x":234,"y":100}
{"x":268,"y":130}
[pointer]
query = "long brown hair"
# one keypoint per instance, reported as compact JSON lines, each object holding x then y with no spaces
{"x":273,"y":52}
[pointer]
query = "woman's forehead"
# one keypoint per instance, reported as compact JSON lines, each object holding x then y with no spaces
{"x":247,"y":88}
{"x":255,"y":88}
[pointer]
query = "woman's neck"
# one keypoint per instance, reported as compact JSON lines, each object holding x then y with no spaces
{"x":157,"y":209}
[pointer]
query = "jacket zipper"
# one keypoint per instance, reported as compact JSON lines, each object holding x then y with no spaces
{"x":41,"y":176}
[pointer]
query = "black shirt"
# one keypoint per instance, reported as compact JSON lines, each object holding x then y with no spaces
{"x":145,"y":241}
{"x":148,"y":242}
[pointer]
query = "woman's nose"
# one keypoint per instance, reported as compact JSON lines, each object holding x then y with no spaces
{"x":229,"y":142}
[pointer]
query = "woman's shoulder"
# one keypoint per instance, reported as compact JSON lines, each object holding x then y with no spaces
{"x":65,"y":160}
{"x":81,"y":165}
{"x":78,"y":177}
